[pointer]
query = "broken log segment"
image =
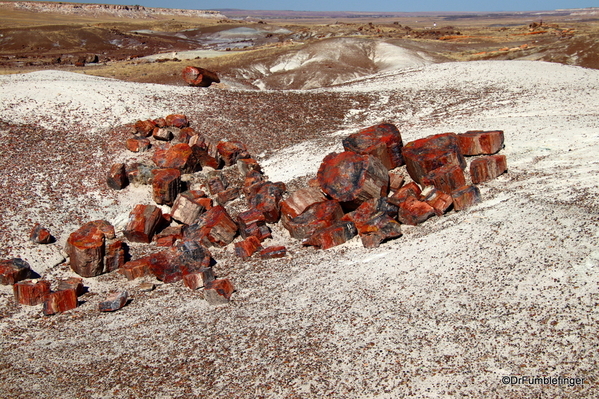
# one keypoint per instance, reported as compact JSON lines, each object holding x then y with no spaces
{"x":231,"y":151}
{"x":381,"y":141}
{"x":246,"y":248}
{"x":337,"y":234}
{"x":60,"y":301}
{"x":315,"y":217}
{"x":487,"y":168}
{"x":143,"y":221}
{"x":219,"y":291}
{"x":413,"y":211}
{"x":298,"y":201}
{"x":198,"y":279}
{"x":114,"y":301}
{"x":166,"y":185}
{"x":188,"y":206}
{"x":465,"y":197}
{"x":351,"y":178}
{"x":273,"y":252}
{"x":86,"y":247}
{"x":447,"y":178}
{"x":479,"y":142}
{"x":199,"y":77}
{"x":213,"y":228}
{"x":31,"y":292}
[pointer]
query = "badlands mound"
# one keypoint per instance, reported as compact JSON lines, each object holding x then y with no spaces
{"x":508,"y":287}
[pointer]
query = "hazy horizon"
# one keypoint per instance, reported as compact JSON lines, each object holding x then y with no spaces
{"x":358,"y":6}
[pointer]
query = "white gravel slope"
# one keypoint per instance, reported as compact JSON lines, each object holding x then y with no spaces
{"x":509,"y":287}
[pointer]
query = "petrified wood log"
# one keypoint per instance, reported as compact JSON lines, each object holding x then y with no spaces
{"x":216,"y":184}
{"x":136,"y":268}
{"x":60,"y":301}
{"x":214,"y":228}
{"x":219,"y":291}
{"x":252,"y":181}
{"x":180,"y":156}
{"x":409,"y":190}
{"x":246,"y":248}
{"x":166,"y":185}
{"x":145,"y":128}
{"x":227,"y":195}
{"x":332,"y":236}
{"x":231,"y":151}
{"x":440,"y":201}
{"x":117,"y":177}
{"x":413,"y":211}
{"x":447,"y":178}
{"x":138,"y":144}
{"x":198,"y":279}
{"x":425,"y":155}
{"x":374,"y":221}
{"x":176,"y":120}
{"x":266,"y":198}
{"x":479,"y":142}
{"x":168,"y":236}
{"x":40,"y":235}
{"x":465,"y":197}
{"x":142,"y":224}
{"x":253,"y":223}
{"x":176,"y":262}
{"x":315,"y":217}
{"x":71,"y":283}
{"x":138,"y":173}
{"x":199,"y":77}
{"x":381,"y":141}
{"x":487,"y":168}
{"x":395,"y":181}
{"x":114,"y":257}
{"x":351,"y":178}
{"x":114,"y":301}
{"x":30,"y":292}
{"x":273,"y":252}
{"x":188,"y":206}
{"x":86,"y":247}
{"x":297,"y":202}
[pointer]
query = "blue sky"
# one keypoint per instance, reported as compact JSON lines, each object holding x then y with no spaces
{"x":361,"y":5}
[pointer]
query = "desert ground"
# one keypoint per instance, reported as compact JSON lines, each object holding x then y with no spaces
{"x":506,"y":288}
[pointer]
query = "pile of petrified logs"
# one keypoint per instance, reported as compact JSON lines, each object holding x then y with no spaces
{"x":360,"y":191}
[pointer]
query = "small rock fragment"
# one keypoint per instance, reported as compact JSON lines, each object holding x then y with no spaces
{"x":198,"y":279}
{"x":273,"y":252}
{"x":218,"y":292}
{"x":465,"y":197}
{"x":487,"y":168}
{"x":246,"y":248}
{"x":115,"y":301}
{"x":40,"y":235}
{"x":117,"y":177}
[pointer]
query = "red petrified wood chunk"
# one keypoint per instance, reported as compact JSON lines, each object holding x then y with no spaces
{"x":138,"y":173}
{"x":374,"y":222}
{"x":487,"y":168}
{"x":171,"y":265}
{"x":440,"y":201}
{"x":30,"y":292}
{"x":478,"y":142}
{"x":446,"y":178}
{"x":218,"y":292}
{"x":273,"y":252}
{"x":409,"y":190}
{"x":332,"y":236}
{"x":216,"y":184}
{"x":117,"y":177}
{"x":315,"y":217}
{"x":166,"y":185}
{"x":176,"y":120}
{"x":136,"y":268}
{"x":231,"y":151}
{"x":247,"y":164}
{"x":253,"y":223}
{"x":227,"y":195}
{"x":413,"y":212}
{"x":252,"y":182}
{"x":165,"y":133}
{"x":188,"y":206}
{"x":351,"y":178}
{"x":199,"y":77}
{"x":425,"y":155}
{"x":60,"y":301}
{"x":71,"y":283}
{"x":297,"y":202}
{"x":381,"y":141}
{"x":143,"y":221}
{"x":168,"y":236}
{"x":198,"y":279}
{"x":214,"y":228}
{"x":246,"y":248}
{"x":115,"y":256}
{"x":114,"y":301}
{"x":105,"y":227}
{"x":145,"y":128}
{"x":266,"y":198}
{"x":138,"y":144}
{"x":40,"y":235}
{"x":86,"y":248}
{"x":395,"y":181}
{"x":465,"y":197}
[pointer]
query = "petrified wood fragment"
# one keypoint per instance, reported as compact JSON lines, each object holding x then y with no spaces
{"x":216,"y":184}
{"x":138,"y":144}
{"x":487,"y":168}
{"x":136,"y":268}
{"x":198,"y":279}
{"x":117,"y":177}
{"x":479,"y":142}
{"x":351,"y":178}
{"x":188,"y":206}
{"x":266,"y":198}
{"x":145,"y":128}
{"x":168,"y":236}
{"x":246,"y":248}
{"x":176,"y":120}
{"x":214,"y":228}
{"x":166,"y":185}
{"x":114,"y":257}
{"x":332,"y":236}
{"x":142,"y":224}
{"x":173,"y":264}
{"x":315,"y":217}
{"x":114,"y":301}
{"x":409,"y":190}
{"x":60,"y":301}
{"x":446,"y":178}
{"x":465,"y":197}
{"x":227,"y":195}
{"x":231,"y":151}
{"x":219,"y":291}
{"x":199,"y":77}
{"x":86,"y":248}
{"x":413,"y":211}
{"x":374,"y":221}
{"x":30,"y":292}
{"x":273,"y":252}
{"x":247,"y":164}
{"x":425,"y":155}
{"x":138,"y":173}
{"x":395,"y":181}
{"x":180,"y":156}
{"x":40,"y":235}
{"x":297,"y":202}
{"x":71,"y":283}
{"x":381,"y":141}
{"x":440,"y":201}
